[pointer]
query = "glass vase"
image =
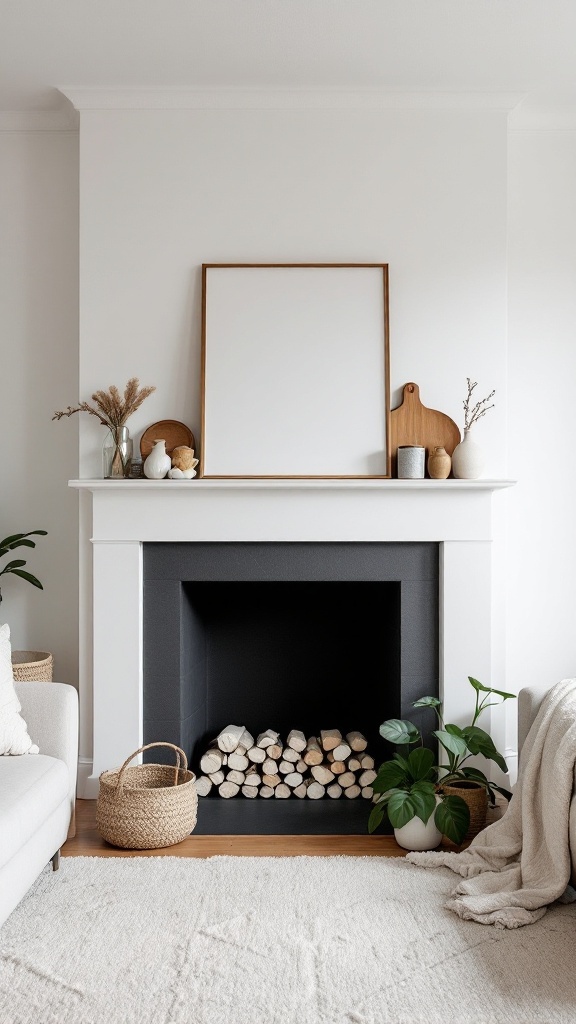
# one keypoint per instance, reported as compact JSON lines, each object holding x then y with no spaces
{"x":117,"y":454}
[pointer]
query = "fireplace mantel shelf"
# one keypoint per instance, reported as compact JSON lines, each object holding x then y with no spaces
{"x":291,"y":484}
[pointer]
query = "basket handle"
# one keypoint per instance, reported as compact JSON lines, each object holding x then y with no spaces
{"x":179,"y":751}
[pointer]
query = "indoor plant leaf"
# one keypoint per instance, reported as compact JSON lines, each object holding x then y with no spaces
{"x":400,"y":732}
{"x":427,"y":702}
{"x":12,"y":566}
{"x":455,"y":744}
{"x":420,"y":762}
{"x":424,"y":801}
{"x":390,"y":774}
{"x":401,"y":808}
{"x":28,"y":576}
{"x":489,"y":689}
{"x":479,"y":742}
{"x":454,"y":730}
{"x":453,"y":818}
{"x":474,"y":774}
{"x":401,"y":760}
{"x":376,"y":815}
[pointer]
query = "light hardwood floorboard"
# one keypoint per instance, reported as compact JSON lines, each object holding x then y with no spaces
{"x":88,"y":843}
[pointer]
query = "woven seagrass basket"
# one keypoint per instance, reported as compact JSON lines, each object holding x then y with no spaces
{"x":477,"y":799}
{"x":32,"y":665}
{"x":147,"y":806}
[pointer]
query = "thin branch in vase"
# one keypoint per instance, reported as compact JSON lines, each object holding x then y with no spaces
{"x":472,"y":415}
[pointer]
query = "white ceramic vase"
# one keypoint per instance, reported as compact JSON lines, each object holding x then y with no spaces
{"x":158,"y":462}
{"x":467,"y":459}
{"x":416,"y":835}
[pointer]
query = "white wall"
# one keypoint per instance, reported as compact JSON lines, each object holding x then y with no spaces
{"x":39,"y":344}
{"x":541,"y":646}
{"x":164,"y":191}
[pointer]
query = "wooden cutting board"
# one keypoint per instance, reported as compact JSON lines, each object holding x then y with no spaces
{"x":413,"y":423}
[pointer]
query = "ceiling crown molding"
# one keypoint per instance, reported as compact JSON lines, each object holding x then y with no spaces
{"x":284,"y":99}
{"x":64,"y":120}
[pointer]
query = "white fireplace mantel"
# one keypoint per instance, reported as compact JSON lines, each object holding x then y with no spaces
{"x":457,"y":514}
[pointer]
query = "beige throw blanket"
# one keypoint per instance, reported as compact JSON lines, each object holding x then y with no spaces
{"x":520,"y":864}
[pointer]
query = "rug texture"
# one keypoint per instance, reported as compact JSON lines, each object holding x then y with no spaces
{"x":263,"y":940}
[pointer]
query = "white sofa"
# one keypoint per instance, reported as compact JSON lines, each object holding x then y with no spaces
{"x":529,"y":701}
{"x":38,"y":791}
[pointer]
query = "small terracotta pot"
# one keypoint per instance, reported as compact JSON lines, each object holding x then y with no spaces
{"x":439,"y":463}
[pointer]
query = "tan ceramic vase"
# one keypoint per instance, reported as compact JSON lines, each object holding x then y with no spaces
{"x":439,"y":463}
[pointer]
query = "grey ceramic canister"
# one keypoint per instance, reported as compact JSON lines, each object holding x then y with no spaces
{"x":411,"y":462}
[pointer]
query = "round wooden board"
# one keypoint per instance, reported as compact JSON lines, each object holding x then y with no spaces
{"x":171,"y":431}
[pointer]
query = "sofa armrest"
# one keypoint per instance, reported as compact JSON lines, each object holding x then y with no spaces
{"x":529,"y":701}
{"x":50,"y":711}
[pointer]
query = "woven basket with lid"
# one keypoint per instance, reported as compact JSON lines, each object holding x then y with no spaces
{"x":147,"y":806}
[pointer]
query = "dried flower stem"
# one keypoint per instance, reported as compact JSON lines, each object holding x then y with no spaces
{"x":109,"y":407}
{"x":472,"y":415}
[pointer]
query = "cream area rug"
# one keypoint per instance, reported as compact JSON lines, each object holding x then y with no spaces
{"x":263,"y":940}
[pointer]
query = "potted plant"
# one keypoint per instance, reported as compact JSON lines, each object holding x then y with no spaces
{"x":413,"y":788}
{"x":25,"y":664}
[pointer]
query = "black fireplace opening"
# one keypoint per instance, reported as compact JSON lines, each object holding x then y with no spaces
{"x":285,"y":636}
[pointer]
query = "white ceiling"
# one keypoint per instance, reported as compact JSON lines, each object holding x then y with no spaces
{"x":526,"y":46}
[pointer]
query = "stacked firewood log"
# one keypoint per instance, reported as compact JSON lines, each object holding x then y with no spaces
{"x":328,"y":765}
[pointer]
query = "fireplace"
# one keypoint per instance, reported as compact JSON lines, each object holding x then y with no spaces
{"x":286,"y":635}
{"x":121,"y":518}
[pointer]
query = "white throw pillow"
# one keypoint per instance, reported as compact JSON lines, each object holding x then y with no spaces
{"x":14,"y":738}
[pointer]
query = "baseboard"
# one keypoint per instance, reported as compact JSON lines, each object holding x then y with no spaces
{"x":87,"y":784}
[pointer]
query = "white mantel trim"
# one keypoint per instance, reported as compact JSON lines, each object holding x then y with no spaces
{"x":284,"y":99}
{"x":301,"y":483}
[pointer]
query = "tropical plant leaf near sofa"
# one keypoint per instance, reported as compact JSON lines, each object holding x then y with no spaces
{"x":16,"y":565}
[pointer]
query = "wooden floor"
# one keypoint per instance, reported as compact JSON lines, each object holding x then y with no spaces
{"x":88,"y":843}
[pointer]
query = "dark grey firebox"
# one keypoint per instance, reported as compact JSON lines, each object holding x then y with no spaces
{"x":286,"y":635}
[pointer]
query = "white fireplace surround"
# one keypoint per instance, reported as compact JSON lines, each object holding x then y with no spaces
{"x":457,"y":514}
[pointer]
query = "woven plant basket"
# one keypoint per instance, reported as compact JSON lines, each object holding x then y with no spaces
{"x":147,"y":806}
{"x":477,"y":799}
{"x":30,"y":666}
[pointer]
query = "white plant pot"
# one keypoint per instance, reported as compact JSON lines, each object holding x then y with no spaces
{"x":419,"y":836}
{"x":467,"y":459}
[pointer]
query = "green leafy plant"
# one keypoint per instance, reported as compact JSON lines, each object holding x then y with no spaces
{"x":19,"y":540}
{"x":410,"y":784}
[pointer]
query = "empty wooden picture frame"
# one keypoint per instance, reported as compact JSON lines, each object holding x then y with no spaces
{"x":295,"y":371}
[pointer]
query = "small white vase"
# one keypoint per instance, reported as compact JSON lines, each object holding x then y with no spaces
{"x":416,"y":835}
{"x":467,"y":459}
{"x":158,"y":462}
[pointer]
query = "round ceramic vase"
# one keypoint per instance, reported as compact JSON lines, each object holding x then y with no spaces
{"x":467,"y":459}
{"x":416,"y":835}
{"x":439,"y":463}
{"x":158,"y":462}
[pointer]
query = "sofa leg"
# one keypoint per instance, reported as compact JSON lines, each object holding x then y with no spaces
{"x":56,"y":861}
